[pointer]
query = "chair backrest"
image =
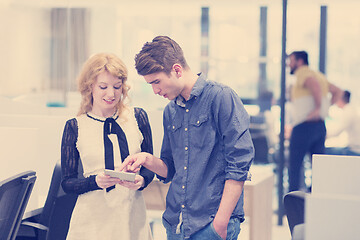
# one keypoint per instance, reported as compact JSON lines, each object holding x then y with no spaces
{"x":58,"y":208}
{"x":258,"y":130}
{"x":14,"y":196}
{"x":294,"y":204}
{"x":52,"y":195}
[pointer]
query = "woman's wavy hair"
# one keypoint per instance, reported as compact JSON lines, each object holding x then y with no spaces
{"x":91,"y":69}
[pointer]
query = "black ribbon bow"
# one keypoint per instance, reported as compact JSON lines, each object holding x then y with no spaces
{"x":112,"y":127}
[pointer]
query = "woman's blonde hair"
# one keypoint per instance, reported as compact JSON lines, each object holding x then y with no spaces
{"x":91,"y":69}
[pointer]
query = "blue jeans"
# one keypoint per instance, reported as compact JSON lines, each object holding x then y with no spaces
{"x":307,"y":137}
{"x":208,"y":232}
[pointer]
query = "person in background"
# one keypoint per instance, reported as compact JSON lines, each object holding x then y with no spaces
{"x":105,"y":131}
{"x":267,"y":110}
{"x":206,"y":151}
{"x":349,"y":123}
{"x":310,"y":104}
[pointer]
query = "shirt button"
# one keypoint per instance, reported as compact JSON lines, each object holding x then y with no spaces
{"x":183,"y":206}
{"x":183,"y":187}
{"x":186,"y":148}
{"x":173,"y":127}
{"x":185,"y":168}
{"x":185,"y":129}
{"x":187,"y":110}
{"x":198,"y":122}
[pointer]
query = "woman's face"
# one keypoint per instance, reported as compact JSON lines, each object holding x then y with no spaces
{"x":106,"y":93}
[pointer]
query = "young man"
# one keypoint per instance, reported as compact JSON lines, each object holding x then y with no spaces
{"x":206,"y":151}
{"x":309,"y":99}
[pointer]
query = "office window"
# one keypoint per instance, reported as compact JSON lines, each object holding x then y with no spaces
{"x":343,"y":59}
{"x":29,"y":63}
{"x":234,"y":47}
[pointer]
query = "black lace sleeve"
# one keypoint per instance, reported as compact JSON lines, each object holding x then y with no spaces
{"x":147,"y":144}
{"x":70,"y":160}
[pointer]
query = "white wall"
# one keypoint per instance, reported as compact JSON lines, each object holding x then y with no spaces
{"x":24,"y":47}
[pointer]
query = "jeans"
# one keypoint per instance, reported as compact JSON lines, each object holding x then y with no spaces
{"x":207,"y":233}
{"x":307,"y":137}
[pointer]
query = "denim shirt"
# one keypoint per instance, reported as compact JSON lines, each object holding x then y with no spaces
{"x":206,"y":142}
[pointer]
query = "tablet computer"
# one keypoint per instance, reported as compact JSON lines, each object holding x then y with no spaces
{"x":126,"y":176}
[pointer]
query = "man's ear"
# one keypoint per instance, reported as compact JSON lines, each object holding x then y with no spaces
{"x":300,"y":62}
{"x":178,"y":70}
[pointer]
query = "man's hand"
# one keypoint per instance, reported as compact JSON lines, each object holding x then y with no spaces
{"x":134,"y":162}
{"x":220,"y":227}
{"x":314,"y":115}
{"x":230,"y":197}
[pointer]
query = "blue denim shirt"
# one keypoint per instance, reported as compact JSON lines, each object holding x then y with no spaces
{"x":206,"y":142}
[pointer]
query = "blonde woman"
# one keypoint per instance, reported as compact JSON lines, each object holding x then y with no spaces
{"x":100,"y":137}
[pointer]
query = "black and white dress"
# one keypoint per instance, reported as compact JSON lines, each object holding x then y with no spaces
{"x":98,"y":214}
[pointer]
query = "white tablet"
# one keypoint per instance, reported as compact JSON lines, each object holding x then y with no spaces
{"x":126,"y":176}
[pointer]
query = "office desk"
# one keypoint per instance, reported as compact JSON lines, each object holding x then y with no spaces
{"x":257,"y":201}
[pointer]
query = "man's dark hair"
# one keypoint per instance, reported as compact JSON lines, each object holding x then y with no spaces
{"x":159,"y":56}
{"x":301,"y":55}
{"x":346,"y":96}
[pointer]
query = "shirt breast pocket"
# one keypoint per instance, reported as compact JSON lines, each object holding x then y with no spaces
{"x":202,"y":131}
{"x":199,"y":120}
{"x":174,"y":132}
{"x":174,"y":126}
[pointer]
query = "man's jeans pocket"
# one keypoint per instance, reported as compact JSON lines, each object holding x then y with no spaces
{"x":209,"y":233}
{"x":214,"y":232}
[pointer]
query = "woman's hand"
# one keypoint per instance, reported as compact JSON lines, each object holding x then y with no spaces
{"x":105,"y":181}
{"x":138,"y":183}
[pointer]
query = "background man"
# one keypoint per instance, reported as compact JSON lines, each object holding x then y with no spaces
{"x":310,"y":104}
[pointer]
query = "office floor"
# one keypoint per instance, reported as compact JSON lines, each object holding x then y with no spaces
{"x":278,"y":232}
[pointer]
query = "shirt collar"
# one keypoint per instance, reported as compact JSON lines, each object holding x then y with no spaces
{"x":301,"y":68}
{"x":195,"y":91}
